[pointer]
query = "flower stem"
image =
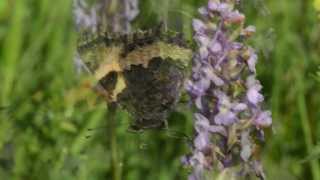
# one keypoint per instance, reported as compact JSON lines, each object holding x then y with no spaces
{"x":315,"y":169}
{"x":115,"y":162}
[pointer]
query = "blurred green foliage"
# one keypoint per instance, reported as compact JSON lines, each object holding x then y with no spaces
{"x":47,"y":108}
{"x":317,"y":4}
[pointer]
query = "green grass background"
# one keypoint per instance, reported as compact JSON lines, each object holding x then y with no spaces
{"x":46,"y":107}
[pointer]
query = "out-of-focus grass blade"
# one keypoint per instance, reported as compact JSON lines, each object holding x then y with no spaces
{"x":313,"y":156}
{"x":317,"y":4}
{"x":11,"y":50}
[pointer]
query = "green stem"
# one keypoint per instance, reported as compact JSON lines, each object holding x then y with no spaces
{"x":116,"y":165}
{"x":302,"y":105}
{"x":315,"y":168}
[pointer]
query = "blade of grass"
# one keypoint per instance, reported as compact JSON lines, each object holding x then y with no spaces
{"x":11,"y":51}
{"x":301,"y":102}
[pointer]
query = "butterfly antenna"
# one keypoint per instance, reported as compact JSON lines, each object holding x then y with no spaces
{"x":177,"y":134}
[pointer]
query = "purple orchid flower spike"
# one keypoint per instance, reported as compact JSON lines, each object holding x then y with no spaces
{"x":224,"y":89}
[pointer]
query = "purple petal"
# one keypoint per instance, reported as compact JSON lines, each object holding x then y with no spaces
{"x":204,"y":84}
{"x":252,"y":61}
{"x":213,"y":6}
{"x":202,"y":123}
{"x":234,"y":17}
{"x":198,"y":88}
{"x":192,"y":89}
{"x":254,"y":96}
{"x":263,"y":119}
{"x":85,"y":18}
{"x":193,"y":177}
{"x":198,"y":159}
{"x":132,"y":9}
{"x":225,"y":118}
{"x":202,"y":40}
{"x":215,"y":47}
{"x":236,"y":46}
{"x":218,"y":129}
{"x":209,"y":72}
{"x":201,"y":141}
{"x":238,"y":107}
{"x":197,"y":173}
{"x":204,"y":53}
{"x":199,"y":26}
{"x":203,"y":11}
{"x":254,"y":87}
{"x":219,"y":7}
{"x":223,"y":99}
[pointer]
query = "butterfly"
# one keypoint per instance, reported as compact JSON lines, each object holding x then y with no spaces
{"x":143,"y":71}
